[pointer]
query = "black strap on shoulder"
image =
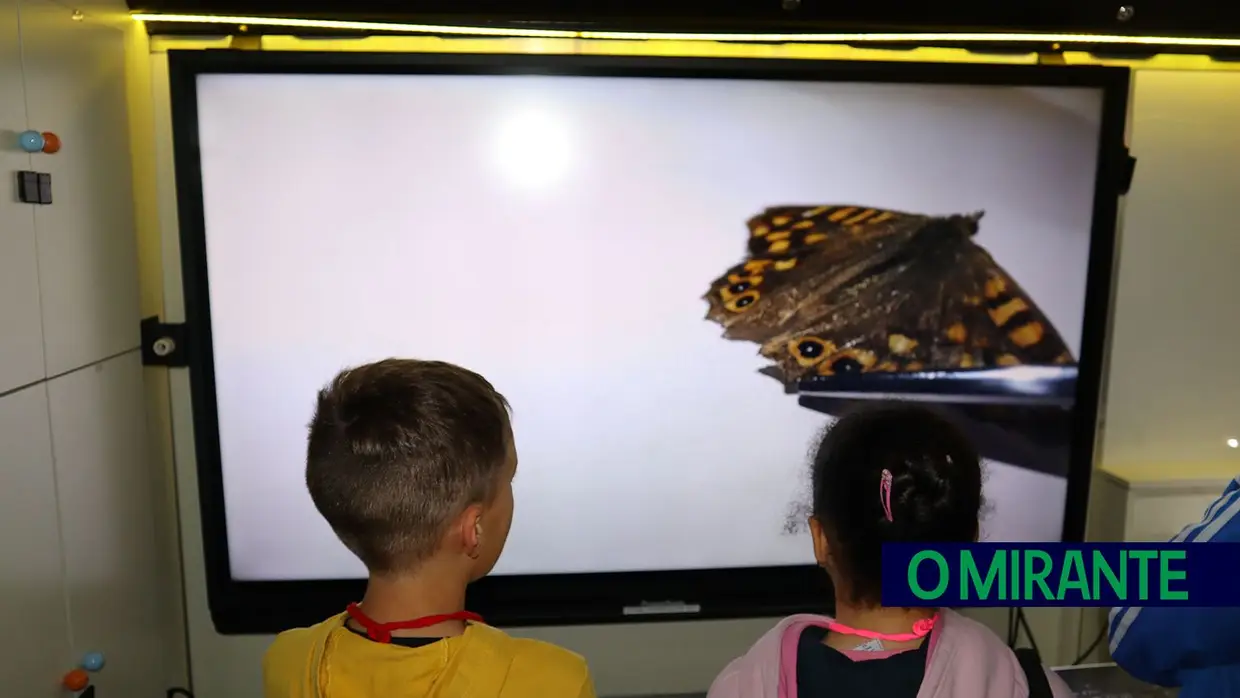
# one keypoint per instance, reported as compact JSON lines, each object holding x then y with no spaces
{"x":1035,"y":675}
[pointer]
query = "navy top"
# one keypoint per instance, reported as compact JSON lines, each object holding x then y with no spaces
{"x":400,"y":641}
{"x":825,"y":671}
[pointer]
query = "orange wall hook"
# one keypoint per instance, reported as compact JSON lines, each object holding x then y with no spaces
{"x":76,"y":680}
{"x":51,"y":142}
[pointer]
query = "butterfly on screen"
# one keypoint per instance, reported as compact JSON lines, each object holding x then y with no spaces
{"x":836,"y":290}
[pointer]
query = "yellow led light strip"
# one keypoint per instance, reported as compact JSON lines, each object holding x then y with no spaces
{"x":926,"y":37}
{"x":359,"y":26}
{"x":835,"y":38}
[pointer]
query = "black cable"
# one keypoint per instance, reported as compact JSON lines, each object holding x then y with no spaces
{"x":1093,"y":646}
{"x":1017,"y":621}
{"x":1024,"y":622}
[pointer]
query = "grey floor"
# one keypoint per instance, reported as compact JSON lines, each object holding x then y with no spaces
{"x":1109,"y":681}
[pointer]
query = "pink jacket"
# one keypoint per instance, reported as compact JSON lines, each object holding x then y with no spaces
{"x":965,"y":660}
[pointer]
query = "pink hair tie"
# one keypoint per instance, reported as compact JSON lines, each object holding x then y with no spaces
{"x":884,"y":493}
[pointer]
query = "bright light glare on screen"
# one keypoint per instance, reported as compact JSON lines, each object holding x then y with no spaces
{"x":533,"y":148}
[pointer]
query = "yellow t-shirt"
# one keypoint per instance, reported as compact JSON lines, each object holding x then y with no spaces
{"x":330,"y":661}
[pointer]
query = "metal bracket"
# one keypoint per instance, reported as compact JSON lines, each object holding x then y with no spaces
{"x":1130,"y":169}
{"x":242,"y":42}
{"x":164,"y":344}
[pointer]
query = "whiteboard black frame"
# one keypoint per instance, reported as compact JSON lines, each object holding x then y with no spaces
{"x":247,"y":607}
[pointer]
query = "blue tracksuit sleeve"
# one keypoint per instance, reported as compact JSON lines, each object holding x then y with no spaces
{"x":1157,"y":644}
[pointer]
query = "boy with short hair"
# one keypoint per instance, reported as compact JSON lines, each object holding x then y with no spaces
{"x":411,"y":463}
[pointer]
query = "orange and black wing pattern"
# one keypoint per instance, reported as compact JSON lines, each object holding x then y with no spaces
{"x":833,"y":290}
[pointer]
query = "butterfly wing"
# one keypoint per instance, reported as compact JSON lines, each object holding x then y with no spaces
{"x":798,"y":255}
{"x":942,"y":303}
{"x":1027,"y":337}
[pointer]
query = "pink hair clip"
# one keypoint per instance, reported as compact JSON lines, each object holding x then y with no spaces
{"x":884,"y":493}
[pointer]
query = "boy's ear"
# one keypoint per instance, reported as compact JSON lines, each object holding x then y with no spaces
{"x":471,"y":530}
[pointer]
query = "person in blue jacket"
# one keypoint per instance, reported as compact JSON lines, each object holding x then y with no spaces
{"x":1197,"y":649}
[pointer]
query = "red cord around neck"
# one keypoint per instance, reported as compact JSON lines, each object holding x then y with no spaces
{"x":382,"y":632}
{"x":921,"y":628}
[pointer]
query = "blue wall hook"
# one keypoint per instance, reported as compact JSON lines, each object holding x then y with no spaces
{"x":92,"y":661}
{"x":30,"y":141}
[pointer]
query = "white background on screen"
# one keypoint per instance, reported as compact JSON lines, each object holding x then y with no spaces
{"x":556,"y":235}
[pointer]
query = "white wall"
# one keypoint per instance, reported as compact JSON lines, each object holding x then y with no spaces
{"x":1170,"y":322}
{"x":1173,"y":399}
{"x":1174,"y":393}
{"x":84,"y":538}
